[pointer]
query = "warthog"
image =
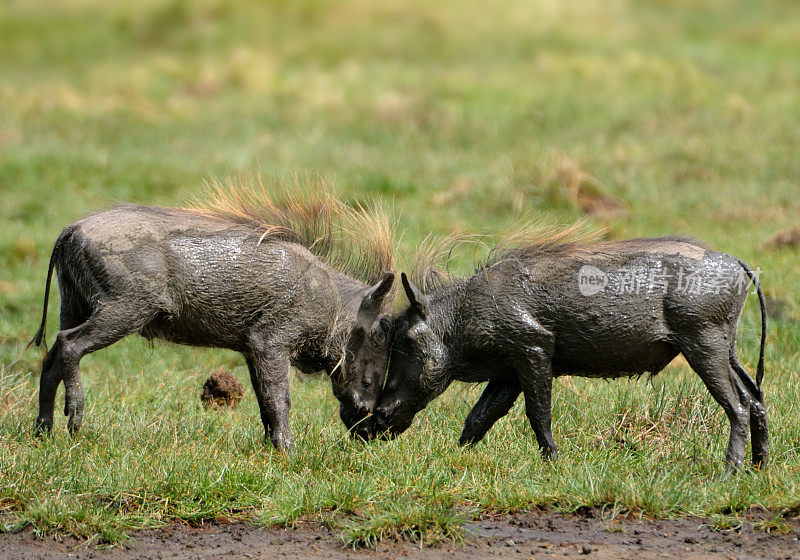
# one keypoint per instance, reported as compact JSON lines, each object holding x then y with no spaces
{"x":548,"y":309}
{"x":242,"y":272}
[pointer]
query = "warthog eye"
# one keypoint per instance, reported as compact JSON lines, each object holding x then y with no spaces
{"x":380,"y":333}
{"x":378,"y":336}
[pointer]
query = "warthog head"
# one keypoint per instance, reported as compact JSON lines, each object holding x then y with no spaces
{"x":363,"y":368}
{"x":416,"y":367}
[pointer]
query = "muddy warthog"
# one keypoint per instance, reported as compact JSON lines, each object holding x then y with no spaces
{"x":242,"y":272}
{"x":605,"y":310}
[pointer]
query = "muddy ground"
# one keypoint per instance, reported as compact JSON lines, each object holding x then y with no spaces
{"x":531,"y":535}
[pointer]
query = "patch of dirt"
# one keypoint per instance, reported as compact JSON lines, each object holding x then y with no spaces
{"x":786,"y":238}
{"x":587,"y":192}
{"x":531,"y":535}
{"x":222,"y":389}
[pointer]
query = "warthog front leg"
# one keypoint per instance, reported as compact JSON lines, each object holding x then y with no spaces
{"x":269,"y":373}
{"x":497,"y":399}
{"x":537,"y":386}
{"x":532,"y":358}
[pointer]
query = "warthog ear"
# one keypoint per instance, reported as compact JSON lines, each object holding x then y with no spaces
{"x":418,"y":300}
{"x":377,"y":293}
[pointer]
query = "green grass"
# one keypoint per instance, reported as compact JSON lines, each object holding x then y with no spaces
{"x":457,"y":114}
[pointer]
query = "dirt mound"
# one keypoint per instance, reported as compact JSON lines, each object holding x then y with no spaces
{"x":222,"y":389}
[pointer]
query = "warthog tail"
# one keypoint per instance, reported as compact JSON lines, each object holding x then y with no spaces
{"x":754,"y":278}
{"x":40,"y":334}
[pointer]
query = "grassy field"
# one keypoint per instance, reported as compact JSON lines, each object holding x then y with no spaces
{"x":458,"y":114}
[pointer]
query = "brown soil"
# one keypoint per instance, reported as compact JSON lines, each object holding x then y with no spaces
{"x":530,"y":535}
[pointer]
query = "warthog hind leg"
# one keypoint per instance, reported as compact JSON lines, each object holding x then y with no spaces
{"x":74,"y":312}
{"x":708,"y":355}
{"x":48,"y":385}
{"x":759,"y":428}
{"x":111,"y":322}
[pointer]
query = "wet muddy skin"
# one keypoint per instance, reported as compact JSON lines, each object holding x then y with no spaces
{"x":539,"y":312}
{"x":219,"y":281}
{"x":531,"y":535}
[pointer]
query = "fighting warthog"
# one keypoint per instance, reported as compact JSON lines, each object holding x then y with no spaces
{"x":266,"y":279}
{"x":555,"y":308}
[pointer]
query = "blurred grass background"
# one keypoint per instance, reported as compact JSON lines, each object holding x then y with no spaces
{"x":663,"y":117}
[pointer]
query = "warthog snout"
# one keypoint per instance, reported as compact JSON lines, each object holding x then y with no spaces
{"x":358,"y":420}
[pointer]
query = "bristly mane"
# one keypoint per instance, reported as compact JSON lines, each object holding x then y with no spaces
{"x":535,"y":237}
{"x":356,"y":240}
{"x":430,"y":264}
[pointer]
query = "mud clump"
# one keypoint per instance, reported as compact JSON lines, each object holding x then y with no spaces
{"x":222,"y":390}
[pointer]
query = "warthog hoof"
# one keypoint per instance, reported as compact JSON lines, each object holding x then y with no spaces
{"x":43,"y":426}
